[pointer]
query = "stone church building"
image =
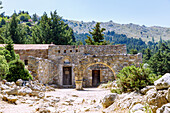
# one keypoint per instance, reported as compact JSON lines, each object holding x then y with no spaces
{"x":68,"y":65}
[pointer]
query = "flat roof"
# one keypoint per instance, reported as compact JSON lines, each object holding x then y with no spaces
{"x":46,"y":46}
{"x":28,"y":46}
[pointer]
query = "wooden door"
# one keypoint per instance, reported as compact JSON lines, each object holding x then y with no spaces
{"x":67,"y":76}
{"x":95,"y":77}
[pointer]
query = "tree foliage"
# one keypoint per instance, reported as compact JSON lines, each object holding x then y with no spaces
{"x":11,"y":68}
{"x":52,"y":29}
{"x":133,"y":78}
{"x":17,"y":71}
{"x":97,"y":36}
{"x":4,"y":68}
{"x":160,"y":61}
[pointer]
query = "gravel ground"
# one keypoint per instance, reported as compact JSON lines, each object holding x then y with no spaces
{"x":87,"y":100}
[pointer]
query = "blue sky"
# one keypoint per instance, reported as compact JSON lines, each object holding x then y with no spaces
{"x":142,"y":12}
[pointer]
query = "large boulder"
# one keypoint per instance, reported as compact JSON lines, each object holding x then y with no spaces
{"x":36,"y":88}
{"x":19,"y":82}
{"x":4,"y":87}
{"x":168,"y":95}
{"x":41,"y":95}
{"x":10,"y":99}
{"x":24,"y":90}
{"x":109,"y":99}
{"x":164,"y":109}
{"x":137,"y":107}
{"x":156,"y":98}
{"x":147,"y":88}
{"x":10,"y":84}
{"x":34,"y":93}
{"x":163,"y":82}
{"x":13,"y":91}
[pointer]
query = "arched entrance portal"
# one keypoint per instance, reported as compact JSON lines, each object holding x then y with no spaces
{"x":96,"y":73}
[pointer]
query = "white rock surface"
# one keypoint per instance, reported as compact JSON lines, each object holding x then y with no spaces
{"x":109,"y":99}
{"x":137,"y":107}
{"x":168,"y":95}
{"x":163,"y":82}
{"x":164,"y":109}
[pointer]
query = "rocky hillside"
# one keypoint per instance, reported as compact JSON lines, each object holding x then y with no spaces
{"x":130,"y":30}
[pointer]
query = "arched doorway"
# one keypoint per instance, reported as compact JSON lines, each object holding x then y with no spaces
{"x":96,"y":73}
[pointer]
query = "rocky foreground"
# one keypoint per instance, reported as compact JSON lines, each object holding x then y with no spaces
{"x":34,"y":97}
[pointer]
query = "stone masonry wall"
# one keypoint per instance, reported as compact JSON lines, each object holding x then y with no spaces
{"x":43,"y":70}
{"x":82,"y":60}
{"x":24,"y":53}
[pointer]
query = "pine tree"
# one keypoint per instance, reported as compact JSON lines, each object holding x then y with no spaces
{"x":10,"y":48}
{"x":4,"y":68}
{"x":147,"y":55}
{"x":34,"y":17}
{"x":17,"y":71}
{"x":97,"y":36}
{"x":160,"y":61}
{"x":52,"y":29}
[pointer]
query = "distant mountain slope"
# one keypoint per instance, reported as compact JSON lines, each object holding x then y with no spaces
{"x":130,"y":30}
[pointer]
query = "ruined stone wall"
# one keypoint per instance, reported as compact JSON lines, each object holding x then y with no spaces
{"x":108,"y":59}
{"x":43,"y":70}
{"x":110,"y":66}
{"x":24,"y":53}
{"x":58,"y":51}
{"x":104,"y":49}
{"x":106,"y":74}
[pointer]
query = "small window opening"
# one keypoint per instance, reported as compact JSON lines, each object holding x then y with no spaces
{"x":76,"y":50}
{"x":26,"y":62}
{"x":58,"y":51}
{"x":64,"y":51}
{"x":70,"y":50}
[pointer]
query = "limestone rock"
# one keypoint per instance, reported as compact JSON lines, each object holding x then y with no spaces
{"x":147,"y":88}
{"x":110,"y":109}
{"x":10,"y":84}
{"x":79,"y":101}
{"x":164,"y":109}
{"x":4,"y":87}
{"x":139,"y":111}
{"x":13,"y":91}
{"x":85,"y":109}
{"x":168,"y":95}
{"x":19,"y":82}
{"x":156,"y":98}
{"x":5,"y":98}
{"x":41,"y":95}
{"x":36,"y":88}
{"x":10,"y":99}
{"x":4,"y":81}
{"x":24,"y":90}
{"x":48,"y":88}
{"x":163,"y":82}
{"x":109,"y":99}
{"x":137,"y":107}
{"x":34,"y":93}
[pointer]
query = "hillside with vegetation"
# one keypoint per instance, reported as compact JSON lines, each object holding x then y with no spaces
{"x":130,"y":30}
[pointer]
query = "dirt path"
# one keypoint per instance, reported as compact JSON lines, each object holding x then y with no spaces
{"x":71,"y":101}
{"x":87,"y":100}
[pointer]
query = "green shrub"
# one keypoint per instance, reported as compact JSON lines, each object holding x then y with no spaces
{"x":118,"y":91}
{"x":28,"y":23}
{"x":17,"y":71}
{"x":9,"y":47}
{"x":133,"y":78}
{"x":4,"y":68}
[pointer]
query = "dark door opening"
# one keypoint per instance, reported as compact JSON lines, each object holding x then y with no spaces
{"x":67,"y":76}
{"x":95,"y":77}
